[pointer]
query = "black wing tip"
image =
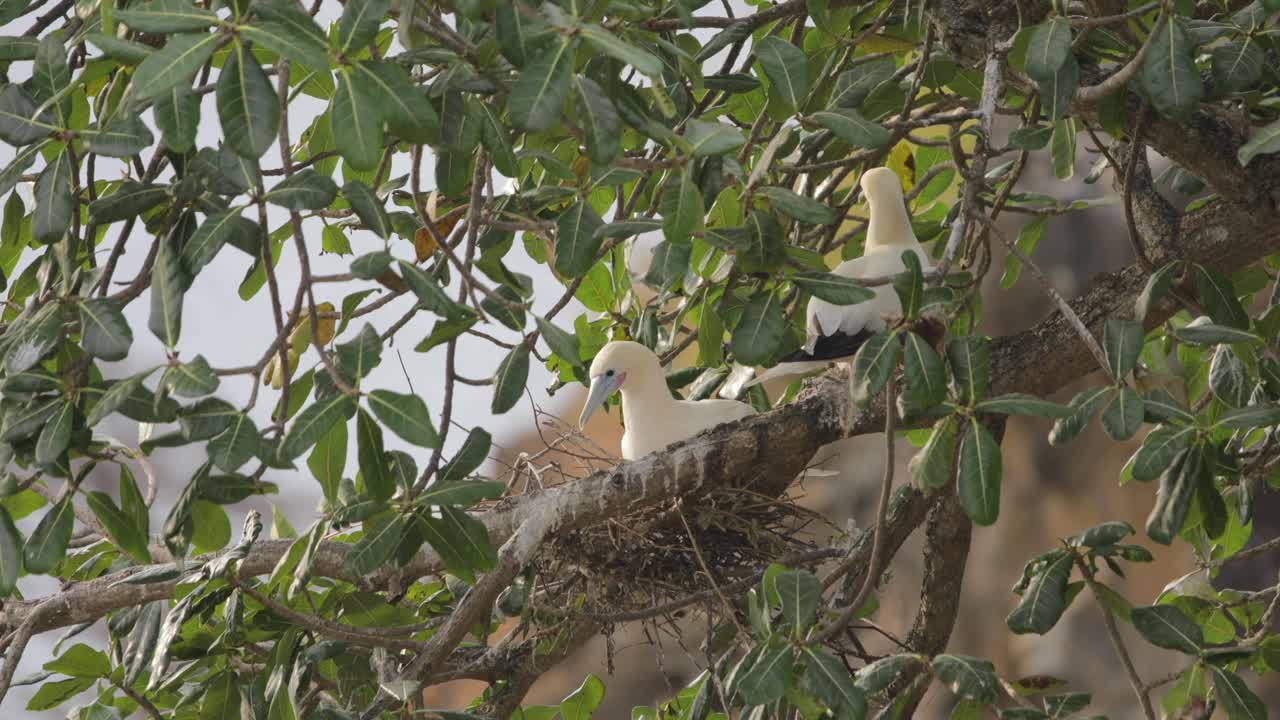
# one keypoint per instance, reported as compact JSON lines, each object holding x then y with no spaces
{"x":830,"y":347}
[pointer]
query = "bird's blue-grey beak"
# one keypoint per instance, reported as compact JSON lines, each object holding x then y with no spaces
{"x":602,"y":386}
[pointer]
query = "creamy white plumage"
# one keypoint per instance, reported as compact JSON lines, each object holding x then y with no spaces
{"x":653,"y":418}
{"x":834,"y":332}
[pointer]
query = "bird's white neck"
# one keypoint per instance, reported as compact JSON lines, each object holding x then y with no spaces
{"x":890,"y":225}
{"x":643,"y":402}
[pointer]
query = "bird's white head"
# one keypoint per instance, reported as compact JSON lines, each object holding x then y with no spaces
{"x":890,"y":225}
{"x":619,"y":362}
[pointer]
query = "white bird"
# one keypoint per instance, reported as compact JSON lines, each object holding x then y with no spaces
{"x":835,"y":332}
{"x":653,"y":418}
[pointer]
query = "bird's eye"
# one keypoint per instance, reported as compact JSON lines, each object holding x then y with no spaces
{"x":609,"y":374}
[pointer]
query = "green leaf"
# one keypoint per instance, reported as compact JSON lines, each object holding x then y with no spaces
{"x":599,"y":119}
{"x":123,"y":136}
{"x":370,"y":265}
{"x":375,"y":548}
{"x":1173,"y":499}
{"x":872,"y":367}
{"x":581,"y":703}
{"x":1228,"y":378}
{"x":1044,"y":600}
{"x":1265,"y":141}
{"x":565,"y":345}
{"x":670,"y":264}
{"x":1032,"y":138}
{"x":328,"y":460}
{"x":1253,"y":416}
{"x":362,"y":354}
{"x":126,"y":51}
{"x":926,"y":377}
{"x":104,"y":332}
{"x":163,"y":17}
{"x":875,"y":677}
{"x":313,"y":422}
{"x":359,"y":22}
{"x":19,"y":124}
{"x":1159,"y":406}
{"x":168,"y":284}
{"x":760,"y":330}
{"x":1169,"y":73}
{"x":1219,"y":298}
{"x":538,"y":95}
{"x":432,"y":296}
{"x":850,"y":126}
{"x":36,"y":338}
{"x":1107,"y":533}
{"x":1166,"y":626}
{"x":1155,"y":289}
{"x":1048,"y":48}
{"x":10,"y":554}
{"x":474,"y":451}
{"x":461,"y":540}
{"x":248,"y":106}
{"x":48,"y":542}
{"x":496,"y":138}
{"x":931,"y":467}
{"x":909,"y":286}
{"x":604,"y":41}
{"x":54,"y":201}
{"x":1123,"y":416}
{"x":1211,"y":334}
{"x":1159,"y":449}
{"x":368,"y":208}
{"x":190,"y":379}
{"x":1028,"y":238}
{"x":112,"y":399}
{"x":1239,"y":702}
{"x":177,"y":114}
{"x":408,"y":113}
{"x":682,"y":208}
{"x":1024,"y":404}
{"x":832,"y":288}
{"x":50,"y":76}
{"x":765,"y":680}
{"x":131,"y":199}
{"x":284,"y":39}
{"x":799,"y":591}
{"x":799,"y":207}
{"x":967,"y":677}
{"x":217,"y":230}
{"x":510,"y":380}
{"x":304,"y":190}
{"x":970,"y":360}
{"x":221,"y":698}
{"x":80,"y":660}
{"x":462,"y":493}
{"x":786,"y":67}
{"x":833,"y":685}
{"x":372,"y":456}
{"x":236,"y":445}
{"x":1237,"y":65}
{"x":53,"y":694}
{"x":176,"y":62}
{"x":712,"y":138}
{"x":405,"y":415}
{"x":1122,"y":344}
{"x":1062,"y":146}
{"x":979,"y":474}
{"x":55,"y":435}
{"x":576,"y":242}
{"x":356,"y":118}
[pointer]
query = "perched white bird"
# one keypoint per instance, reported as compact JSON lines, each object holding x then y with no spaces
{"x":835,"y":332}
{"x":653,"y":418}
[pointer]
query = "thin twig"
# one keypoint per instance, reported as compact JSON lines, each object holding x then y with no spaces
{"x":882,"y":515}
{"x":1109,"y":620}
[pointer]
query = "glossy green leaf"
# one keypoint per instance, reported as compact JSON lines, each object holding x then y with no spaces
{"x":1122,"y":344}
{"x":967,"y":677}
{"x":970,"y":360}
{"x":850,"y":126}
{"x":54,"y":201}
{"x":405,"y":415}
{"x":368,"y":208}
{"x":176,"y":62}
{"x":328,"y":460}
{"x":712,"y":138}
{"x":1168,"y":627}
{"x":123,"y":136}
{"x":55,"y":435}
{"x":510,"y":380}
{"x":304,"y":190}
{"x":833,"y":685}
{"x":104,"y":332}
{"x":162,"y":17}
{"x":48,"y":542}
{"x":1169,"y":73}
{"x":1235,"y":697}
{"x":217,"y":230}
{"x":926,"y":377}
{"x":786,"y":67}
{"x":1173,"y":499}
{"x":1159,"y":450}
{"x":1048,"y":49}
{"x":1024,"y":404}
{"x":313,"y":422}
{"x":760,"y":330}
{"x":284,"y":39}
{"x":576,"y":242}
{"x":248,"y":106}
{"x":873,"y":365}
{"x":1044,"y":600}
{"x":538,"y":95}
{"x":599,"y":120}
{"x":359,"y":22}
{"x":236,"y":445}
{"x":10,"y":554}
{"x":356,"y":119}
{"x":980,"y":471}
{"x":1123,"y":415}
{"x":375,"y":547}
{"x":799,"y":207}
